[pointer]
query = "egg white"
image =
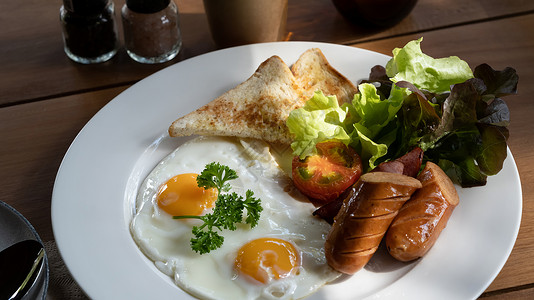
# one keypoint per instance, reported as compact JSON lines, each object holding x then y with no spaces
{"x":212,"y":276}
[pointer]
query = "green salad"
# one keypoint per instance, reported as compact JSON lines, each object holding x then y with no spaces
{"x":454,"y":114}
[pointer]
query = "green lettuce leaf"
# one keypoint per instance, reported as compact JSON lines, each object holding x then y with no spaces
{"x":360,"y":124}
{"x":435,"y":75}
{"x":320,"y":119}
{"x":374,"y":114}
{"x":369,"y":151}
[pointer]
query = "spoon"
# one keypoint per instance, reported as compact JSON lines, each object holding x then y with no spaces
{"x":18,"y":265}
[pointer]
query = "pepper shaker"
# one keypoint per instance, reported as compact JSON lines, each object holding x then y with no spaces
{"x":89,"y":30}
{"x":151,"y":30}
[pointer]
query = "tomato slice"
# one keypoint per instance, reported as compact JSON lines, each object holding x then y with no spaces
{"x":325,"y":175}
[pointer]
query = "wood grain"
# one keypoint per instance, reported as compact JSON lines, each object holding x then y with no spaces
{"x":427,"y":15}
{"x":34,"y":66}
{"x":520,"y":293}
{"x":34,"y":139}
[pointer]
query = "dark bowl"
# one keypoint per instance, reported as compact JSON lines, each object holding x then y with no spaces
{"x":374,"y":13}
{"x":14,"y":227}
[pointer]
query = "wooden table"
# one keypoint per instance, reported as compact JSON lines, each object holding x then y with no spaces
{"x":46,"y":99}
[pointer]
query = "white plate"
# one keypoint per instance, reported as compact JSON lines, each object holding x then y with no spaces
{"x":95,"y":188}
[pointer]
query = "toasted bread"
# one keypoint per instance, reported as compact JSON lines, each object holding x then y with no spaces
{"x":314,"y":72}
{"x":257,"y":108}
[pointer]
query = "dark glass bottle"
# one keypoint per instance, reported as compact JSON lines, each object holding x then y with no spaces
{"x":89,"y":30}
{"x":151,"y":30}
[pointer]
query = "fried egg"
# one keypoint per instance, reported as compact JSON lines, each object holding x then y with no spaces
{"x":281,"y":258}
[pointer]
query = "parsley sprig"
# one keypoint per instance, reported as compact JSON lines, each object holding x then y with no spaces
{"x":228,"y":209}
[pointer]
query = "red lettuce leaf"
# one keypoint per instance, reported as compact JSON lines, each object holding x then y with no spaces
{"x":464,"y":130}
{"x":493,"y":149}
{"x":466,"y":172}
{"x":498,"y":83}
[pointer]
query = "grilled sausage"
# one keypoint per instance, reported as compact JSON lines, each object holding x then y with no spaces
{"x":420,"y":221}
{"x":364,"y":217}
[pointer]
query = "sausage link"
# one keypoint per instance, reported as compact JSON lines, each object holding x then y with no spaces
{"x":408,"y":164}
{"x":420,"y":221}
{"x":364,"y":217}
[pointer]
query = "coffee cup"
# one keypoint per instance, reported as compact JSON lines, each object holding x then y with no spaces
{"x":240,"y":22}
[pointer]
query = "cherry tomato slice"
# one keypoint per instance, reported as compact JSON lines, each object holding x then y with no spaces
{"x":325,"y":175}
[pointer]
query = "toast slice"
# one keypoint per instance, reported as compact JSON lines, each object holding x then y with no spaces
{"x":314,"y":72}
{"x":257,"y":108}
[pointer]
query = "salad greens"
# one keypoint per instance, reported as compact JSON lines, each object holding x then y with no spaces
{"x":454,"y":114}
{"x":434,"y":75}
{"x":318,"y":120}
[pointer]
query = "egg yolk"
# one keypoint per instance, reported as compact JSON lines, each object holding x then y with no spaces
{"x":266,"y":259}
{"x":181,"y":196}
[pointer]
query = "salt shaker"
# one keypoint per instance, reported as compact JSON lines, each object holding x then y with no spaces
{"x":151,"y":30}
{"x":89,"y":30}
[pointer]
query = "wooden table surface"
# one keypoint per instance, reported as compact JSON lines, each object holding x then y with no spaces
{"x":45,"y":99}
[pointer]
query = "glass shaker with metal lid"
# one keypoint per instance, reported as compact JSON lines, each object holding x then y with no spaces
{"x":89,"y":30}
{"x":151,"y":30}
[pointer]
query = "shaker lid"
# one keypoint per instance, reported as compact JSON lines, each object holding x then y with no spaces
{"x":85,"y":7}
{"x":147,"y":6}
